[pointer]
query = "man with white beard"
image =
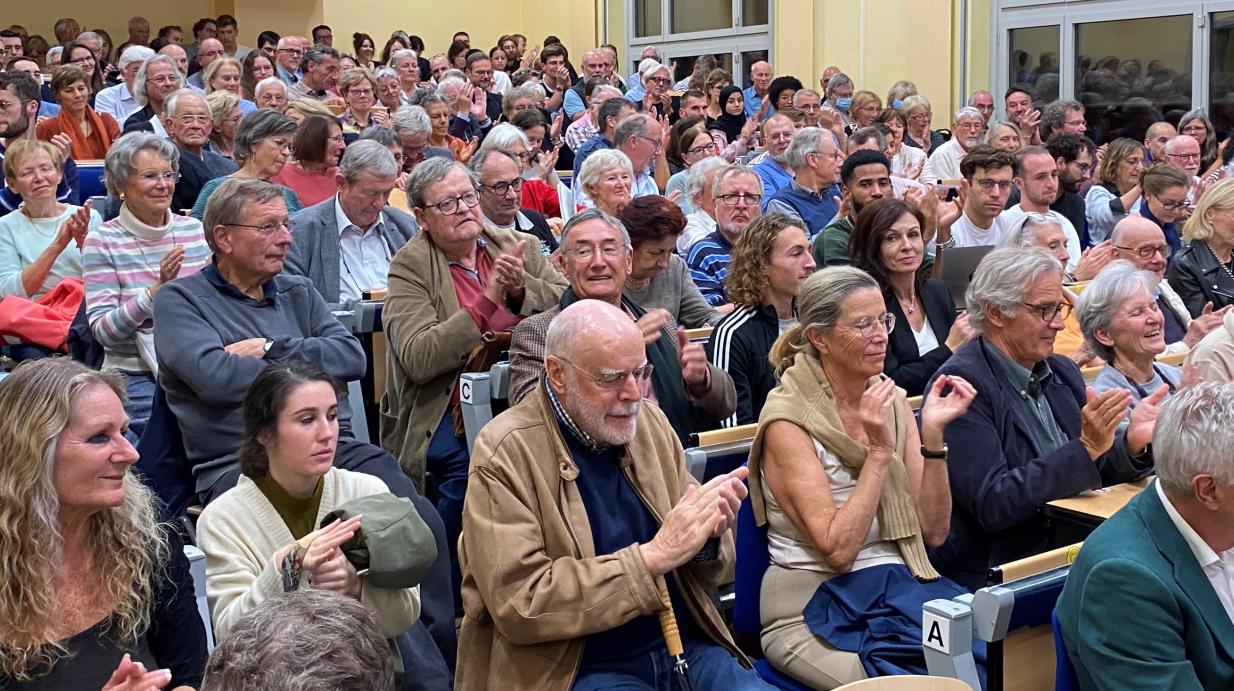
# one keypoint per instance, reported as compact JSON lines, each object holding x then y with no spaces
{"x":965,"y":136}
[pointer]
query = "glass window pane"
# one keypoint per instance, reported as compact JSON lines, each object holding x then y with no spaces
{"x":753,"y":12}
{"x":1033,"y":62}
{"x":1221,"y":71}
{"x":647,"y":14}
{"x":1130,"y":72}
{"x":685,"y":64}
{"x":702,"y":15}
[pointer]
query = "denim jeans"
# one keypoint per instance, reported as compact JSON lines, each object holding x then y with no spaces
{"x":449,"y":459}
{"x":139,"y":387}
{"x":712,"y":668}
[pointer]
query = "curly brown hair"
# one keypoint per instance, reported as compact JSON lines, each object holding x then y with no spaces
{"x":747,"y":276}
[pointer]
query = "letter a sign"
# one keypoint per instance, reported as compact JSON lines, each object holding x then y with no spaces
{"x":936,"y":633}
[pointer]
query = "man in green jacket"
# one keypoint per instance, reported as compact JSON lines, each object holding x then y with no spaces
{"x":864,"y":177}
{"x":1149,"y":601}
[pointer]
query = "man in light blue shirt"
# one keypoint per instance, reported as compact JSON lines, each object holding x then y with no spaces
{"x":118,"y":100}
{"x":760,"y":74}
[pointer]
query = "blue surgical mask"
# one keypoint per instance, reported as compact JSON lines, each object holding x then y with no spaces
{"x":842,"y":104}
{"x":897,"y":104}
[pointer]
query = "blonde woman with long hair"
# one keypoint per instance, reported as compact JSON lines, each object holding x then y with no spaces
{"x":94,"y":593}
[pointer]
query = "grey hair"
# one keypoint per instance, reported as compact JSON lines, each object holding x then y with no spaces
{"x":367,"y":156}
{"x":901,"y":90}
{"x":731,"y":170}
{"x":139,"y":82}
{"x":400,"y":55}
{"x":134,"y":54}
{"x":266,"y":648}
{"x":476,"y":164}
{"x":1192,"y":437}
{"x":118,"y":166}
{"x":426,"y":98}
{"x":820,"y":303}
{"x":256,"y":126}
{"x":455,"y":74}
{"x":652,"y":69}
{"x":808,"y":140}
{"x":838,"y":81}
{"x":968,"y":112}
{"x":266,"y":84}
{"x":600,"y":161}
{"x":382,"y":135}
{"x":1103,"y":296}
{"x":173,"y":99}
{"x":449,"y":81}
{"x":605,"y":88}
{"x":88,"y":36}
{"x":227,"y":202}
{"x":1003,"y":279}
{"x":529,"y":90}
{"x":696,"y":176}
{"x":430,"y":172}
{"x":411,"y":120}
{"x":385,"y":72}
{"x":634,"y":126}
{"x":594,"y":214}
{"x":1055,"y":113}
{"x":805,"y":92}
{"x":1023,"y":233}
{"x":1169,"y":145}
{"x":317,"y":55}
{"x":53,"y":52}
{"x":504,"y":137}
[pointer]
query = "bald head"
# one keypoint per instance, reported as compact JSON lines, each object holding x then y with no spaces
{"x":1141,"y":242}
{"x":586,"y":324}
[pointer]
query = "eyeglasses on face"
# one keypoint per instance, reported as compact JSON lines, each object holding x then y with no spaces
{"x":266,"y":229}
{"x":1172,"y":206}
{"x":868,"y":327}
{"x":737,"y":199}
{"x":501,"y":188}
{"x":988,"y":184}
{"x":705,"y":148}
{"x":616,"y":379}
{"x":1147,"y":251}
{"x":1049,"y":311}
{"x":451,"y":206}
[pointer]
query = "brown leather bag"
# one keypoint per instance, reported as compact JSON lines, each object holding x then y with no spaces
{"x":482,"y":358}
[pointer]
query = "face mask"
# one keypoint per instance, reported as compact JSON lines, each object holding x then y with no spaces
{"x":842,"y":104}
{"x":897,"y":104}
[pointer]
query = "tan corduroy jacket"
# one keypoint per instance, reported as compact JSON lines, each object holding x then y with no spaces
{"x":533,"y":586}
{"x":429,"y":338}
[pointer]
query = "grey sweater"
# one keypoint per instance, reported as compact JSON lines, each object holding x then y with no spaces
{"x":672,"y":289}
{"x":197,"y":316}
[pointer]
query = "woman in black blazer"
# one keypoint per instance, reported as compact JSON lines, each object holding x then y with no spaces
{"x":887,"y":243}
{"x":1204,"y":271}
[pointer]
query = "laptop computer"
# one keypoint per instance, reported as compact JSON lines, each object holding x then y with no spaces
{"x":957,"y":266}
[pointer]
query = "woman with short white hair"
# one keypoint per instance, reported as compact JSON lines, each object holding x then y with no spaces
{"x":607,"y":179}
{"x":1123,"y":325}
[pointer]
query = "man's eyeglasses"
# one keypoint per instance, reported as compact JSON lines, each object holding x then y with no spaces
{"x":267,"y":229}
{"x":293,"y":51}
{"x":501,"y":188}
{"x":615,"y":380}
{"x":868,"y":327}
{"x":451,"y":206}
{"x":987,"y":184}
{"x":736,"y":199}
{"x":1048,"y":312}
{"x":193,"y":119}
{"x":659,"y":80}
{"x":653,"y":141}
{"x":1147,"y":251}
{"x":1185,"y":157}
{"x":586,"y":252}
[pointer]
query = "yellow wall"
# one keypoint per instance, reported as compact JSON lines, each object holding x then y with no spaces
{"x":112,"y":15}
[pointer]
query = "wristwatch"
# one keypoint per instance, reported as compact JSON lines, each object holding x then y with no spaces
{"x":937,"y":455}
{"x":266,"y":348}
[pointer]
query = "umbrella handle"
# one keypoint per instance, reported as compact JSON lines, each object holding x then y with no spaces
{"x":668,"y":625}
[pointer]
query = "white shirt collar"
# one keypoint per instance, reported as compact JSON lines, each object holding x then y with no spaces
{"x":343,"y":222}
{"x":521,"y":222}
{"x":1203,"y":553}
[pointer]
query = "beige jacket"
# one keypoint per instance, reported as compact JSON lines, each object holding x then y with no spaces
{"x":1213,"y":356}
{"x":429,"y":338}
{"x":533,"y":586}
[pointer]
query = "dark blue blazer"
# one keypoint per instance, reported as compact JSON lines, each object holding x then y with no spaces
{"x":1000,"y":476}
{"x":1138,"y":612}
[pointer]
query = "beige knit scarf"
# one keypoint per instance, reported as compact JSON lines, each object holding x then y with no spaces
{"x":806,"y":399}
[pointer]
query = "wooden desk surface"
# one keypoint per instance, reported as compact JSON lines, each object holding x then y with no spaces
{"x":1097,"y":505}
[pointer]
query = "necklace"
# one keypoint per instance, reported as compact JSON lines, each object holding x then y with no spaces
{"x":911,"y":308}
{"x":1227,"y":267}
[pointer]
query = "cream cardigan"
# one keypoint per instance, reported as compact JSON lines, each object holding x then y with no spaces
{"x":244,"y":539}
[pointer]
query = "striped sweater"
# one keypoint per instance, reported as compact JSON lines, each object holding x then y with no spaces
{"x":121,"y":259}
